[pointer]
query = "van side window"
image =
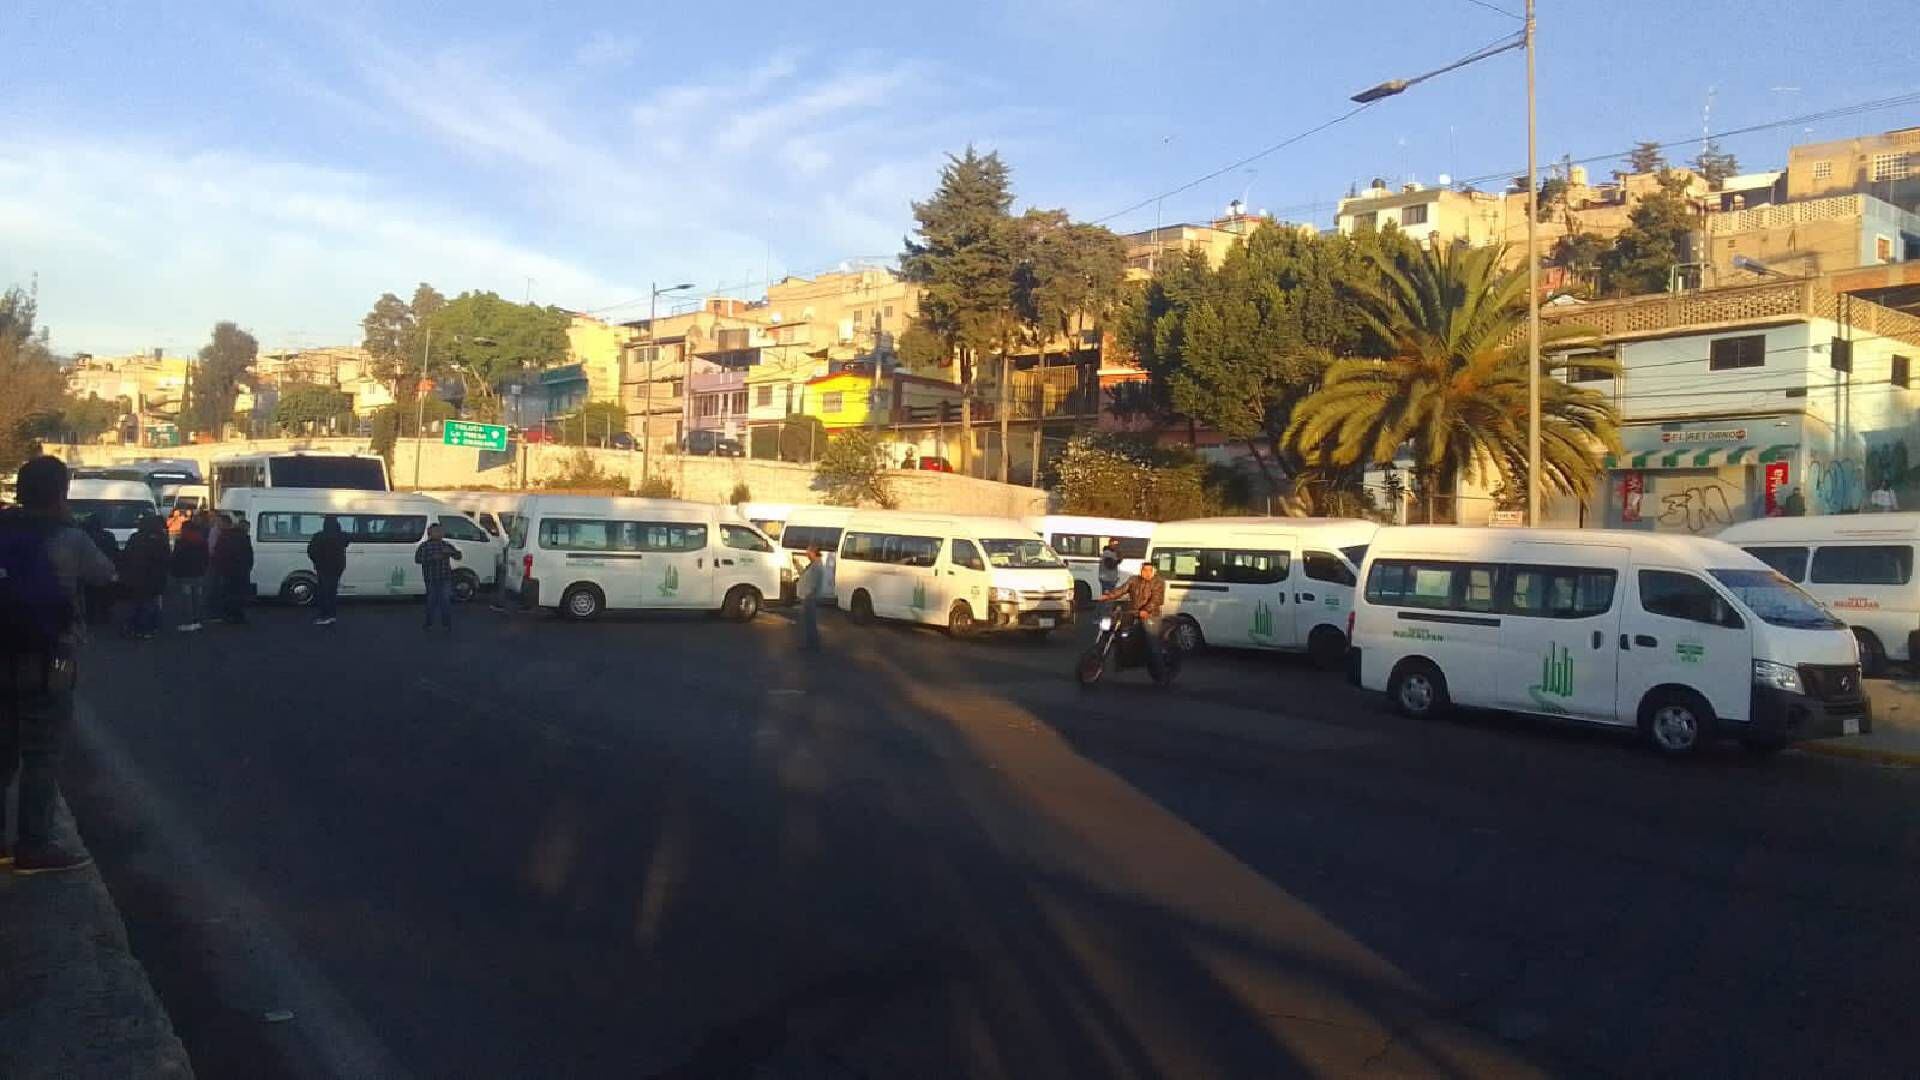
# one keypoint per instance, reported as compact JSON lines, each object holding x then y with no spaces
{"x":1683,"y":596}
{"x":1322,"y":566}
{"x":1445,"y":586}
{"x":1791,"y":562}
{"x":1256,"y":567}
{"x":459,"y":527}
{"x":1559,"y":592}
{"x":486,"y":522}
{"x":664,"y":536}
{"x":741,"y":538}
{"x":1863,"y":564}
{"x":1075,"y":546}
{"x":387,"y":528}
{"x":965,"y":554}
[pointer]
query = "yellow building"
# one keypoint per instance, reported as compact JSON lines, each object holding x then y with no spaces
{"x":597,"y":347}
{"x":149,"y":383}
{"x":1147,"y":250}
{"x":852,"y":396}
{"x":847,"y":313}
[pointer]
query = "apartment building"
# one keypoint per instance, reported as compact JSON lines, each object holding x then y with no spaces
{"x":598,"y":347}
{"x":149,"y":383}
{"x":662,"y":356}
{"x":1734,"y":399}
{"x":1885,"y":166}
{"x":1430,"y":215}
{"x":1149,"y":248}
{"x":1803,"y":237}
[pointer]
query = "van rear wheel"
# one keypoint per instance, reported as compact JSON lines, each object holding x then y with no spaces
{"x":1184,"y":634}
{"x":742,"y":603}
{"x":466,"y":585}
{"x":582,"y":603}
{"x":861,"y":607}
{"x":1082,"y":595}
{"x":299,"y":588}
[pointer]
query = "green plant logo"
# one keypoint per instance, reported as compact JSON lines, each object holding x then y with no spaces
{"x":670,"y":584}
{"x":1556,"y":680}
{"x":919,"y":601}
{"x":1689,"y":652}
{"x":396,"y":580}
{"x":1262,"y":620}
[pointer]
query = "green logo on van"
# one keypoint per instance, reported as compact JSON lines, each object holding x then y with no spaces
{"x":919,"y":601}
{"x":397,"y":580}
{"x":1262,"y":620}
{"x":1556,"y":679}
{"x":670,"y":584}
{"x":1689,"y":652}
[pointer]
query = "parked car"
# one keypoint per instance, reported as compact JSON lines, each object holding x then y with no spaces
{"x":706,"y":443}
{"x":936,"y":464}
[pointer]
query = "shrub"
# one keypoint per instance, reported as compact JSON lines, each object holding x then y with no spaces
{"x":656,"y":487}
{"x":852,"y":472}
{"x":741,"y":493}
{"x":583,"y":473}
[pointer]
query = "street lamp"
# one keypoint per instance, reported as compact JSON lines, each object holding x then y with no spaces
{"x":646,"y":407}
{"x":419,"y":394}
{"x":1394,"y":86}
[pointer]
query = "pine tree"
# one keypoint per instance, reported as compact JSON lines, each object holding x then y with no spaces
{"x":1714,"y":163}
{"x":1646,"y":158}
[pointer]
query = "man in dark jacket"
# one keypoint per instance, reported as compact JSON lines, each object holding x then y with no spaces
{"x":233,"y":566}
{"x":328,"y":552}
{"x":143,"y":574}
{"x":188,"y":568}
{"x":436,"y":558}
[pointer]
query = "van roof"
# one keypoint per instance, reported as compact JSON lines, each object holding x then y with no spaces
{"x":89,"y":488}
{"x":1498,"y":543}
{"x":1905,"y":526}
{"x":342,"y":499}
{"x":1306,"y":526}
{"x":1116,"y":526}
{"x":536,"y":505}
{"x":996,"y":527}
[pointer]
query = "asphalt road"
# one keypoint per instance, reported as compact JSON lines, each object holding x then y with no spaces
{"x":669,"y":847}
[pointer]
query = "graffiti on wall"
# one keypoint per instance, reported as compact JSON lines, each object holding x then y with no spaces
{"x":1697,"y":508}
{"x":1838,"y":487}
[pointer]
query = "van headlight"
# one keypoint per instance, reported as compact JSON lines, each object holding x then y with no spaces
{"x":1006,"y":596}
{"x":1778,"y":676}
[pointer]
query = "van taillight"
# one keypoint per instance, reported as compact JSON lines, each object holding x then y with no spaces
{"x":1349,"y":624}
{"x":526,"y":568}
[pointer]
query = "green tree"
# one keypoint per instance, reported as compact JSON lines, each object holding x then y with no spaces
{"x":1646,"y":158}
{"x":1580,"y":253}
{"x":484,"y":340}
{"x":594,"y":425}
{"x":1714,"y":163}
{"x":1657,"y":238}
{"x":851,"y":470}
{"x":1451,"y":388}
{"x":306,"y":406}
{"x":391,"y":333}
{"x":963,"y":261}
{"x":1553,"y":194}
{"x":1069,"y":280}
{"x":1107,"y":475}
{"x":82,"y":419}
{"x":214,"y":383}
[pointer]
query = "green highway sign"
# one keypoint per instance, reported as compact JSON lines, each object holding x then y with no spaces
{"x":479,"y":436}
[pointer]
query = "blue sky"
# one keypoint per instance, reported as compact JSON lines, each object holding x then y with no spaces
{"x":167,"y":165}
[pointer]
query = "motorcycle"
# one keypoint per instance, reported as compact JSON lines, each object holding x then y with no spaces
{"x":1122,"y":643}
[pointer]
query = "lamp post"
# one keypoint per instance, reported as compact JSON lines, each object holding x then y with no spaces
{"x":646,"y":384}
{"x":419,"y":396}
{"x":1394,"y":86}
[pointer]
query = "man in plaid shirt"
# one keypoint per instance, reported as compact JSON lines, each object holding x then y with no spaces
{"x":436,"y":557}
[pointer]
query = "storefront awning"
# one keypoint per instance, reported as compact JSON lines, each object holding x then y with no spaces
{"x":1703,"y":458}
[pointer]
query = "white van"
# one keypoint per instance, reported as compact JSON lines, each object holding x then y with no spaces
{"x":1683,"y":637}
{"x":815,"y":526}
{"x":1859,"y":565}
{"x":967,"y":574}
{"x":1080,"y":540}
{"x":768,"y":517}
{"x":582,"y":555}
{"x":383,"y":529}
{"x":493,"y":511}
{"x":1261,"y":582}
{"x":117,"y":505}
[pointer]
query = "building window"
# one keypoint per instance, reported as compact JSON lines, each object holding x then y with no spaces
{"x":1414,"y":215}
{"x":763,"y":396}
{"x":889,"y":311}
{"x":1365,"y":222}
{"x":1578,"y":374}
{"x":1902,"y":372}
{"x":831,"y":403}
{"x":1841,"y":354}
{"x":737,"y":403}
{"x":1823,"y":170}
{"x":1883,"y":249}
{"x":673,"y":388}
{"x":1890,"y":166}
{"x":1738,"y":352}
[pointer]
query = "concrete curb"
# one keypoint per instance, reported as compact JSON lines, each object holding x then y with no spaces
{"x":73,"y":999}
{"x":1877,"y":755}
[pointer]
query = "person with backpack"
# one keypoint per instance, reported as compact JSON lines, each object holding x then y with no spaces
{"x":44,"y":564}
{"x":188,"y":568}
{"x":328,"y":553}
{"x":233,"y":570}
{"x":143,"y":574}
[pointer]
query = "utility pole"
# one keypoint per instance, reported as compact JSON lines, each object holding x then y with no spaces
{"x":1533,"y":294}
{"x":420,"y":405}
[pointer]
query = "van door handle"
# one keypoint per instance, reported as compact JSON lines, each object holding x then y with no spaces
{"x":1645,"y":641}
{"x":1623,"y":642}
{"x":1598,"y":638}
{"x":1307,"y":596}
{"x":700,"y":563}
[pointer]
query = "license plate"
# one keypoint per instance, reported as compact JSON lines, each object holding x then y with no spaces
{"x":1850,"y":725}
{"x":1048,"y":624}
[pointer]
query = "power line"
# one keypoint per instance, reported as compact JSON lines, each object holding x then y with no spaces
{"x":1497,"y":9}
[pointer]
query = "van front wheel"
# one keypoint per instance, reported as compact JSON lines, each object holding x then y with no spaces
{"x":1418,"y":690}
{"x":582,"y":603}
{"x":465,"y":585}
{"x":1676,"y":722}
{"x":742,"y":603}
{"x":299,"y":589}
{"x":960,"y":620}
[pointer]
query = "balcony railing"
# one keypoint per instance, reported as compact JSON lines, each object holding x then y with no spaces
{"x":1664,"y":314}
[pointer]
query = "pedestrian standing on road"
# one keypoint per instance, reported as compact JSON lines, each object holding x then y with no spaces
{"x":328,"y":553}
{"x":188,"y":568}
{"x":143,"y":575}
{"x":99,"y":598}
{"x":1110,"y":565}
{"x":807,"y":591}
{"x":175,"y":519}
{"x":217,"y":527}
{"x":436,"y":558}
{"x":44,"y":563}
{"x":233,"y":569}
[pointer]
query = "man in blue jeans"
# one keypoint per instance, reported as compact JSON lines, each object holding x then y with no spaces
{"x":436,"y":558}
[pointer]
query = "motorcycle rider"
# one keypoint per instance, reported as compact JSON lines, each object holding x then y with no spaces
{"x":1145,"y":594}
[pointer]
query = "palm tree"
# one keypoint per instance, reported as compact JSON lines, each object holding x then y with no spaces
{"x":1452,"y":385}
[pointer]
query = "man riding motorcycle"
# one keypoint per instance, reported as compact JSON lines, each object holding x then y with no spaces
{"x":1145,"y":594}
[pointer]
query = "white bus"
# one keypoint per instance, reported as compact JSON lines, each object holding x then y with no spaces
{"x":818,"y":526}
{"x":383,"y":529}
{"x":584,"y":555}
{"x":1859,"y":565}
{"x":967,"y":574}
{"x":116,"y":505}
{"x":298,"y":469}
{"x":1681,"y":637}
{"x":1080,"y":540}
{"x":1261,"y":582}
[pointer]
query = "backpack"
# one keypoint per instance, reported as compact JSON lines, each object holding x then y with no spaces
{"x":35,"y":611}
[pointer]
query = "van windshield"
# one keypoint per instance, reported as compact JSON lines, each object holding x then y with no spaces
{"x":1776,"y":600}
{"x":1021,"y":555}
{"x":109,"y":513}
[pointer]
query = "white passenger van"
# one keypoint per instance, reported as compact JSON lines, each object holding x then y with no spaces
{"x":966,"y":574}
{"x":383,"y":529}
{"x":493,"y":511}
{"x":819,"y":526}
{"x":1261,"y":582}
{"x":769,"y":518}
{"x":1080,"y":540}
{"x":1859,"y":565}
{"x":1683,"y":637}
{"x":582,"y":555}
{"x":117,"y":505}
